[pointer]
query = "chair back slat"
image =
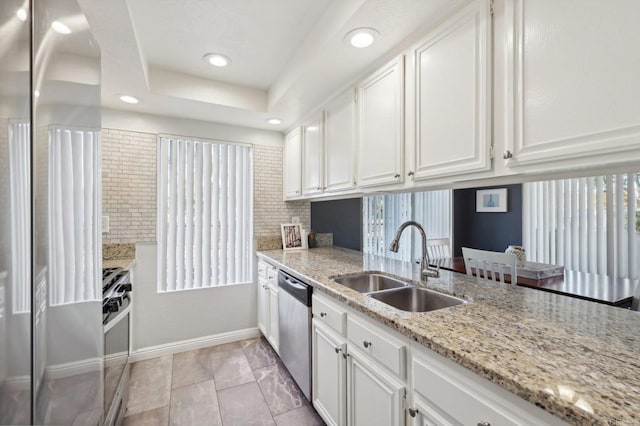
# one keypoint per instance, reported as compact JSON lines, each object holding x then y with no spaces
{"x":439,"y":248}
{"x":490,"y":265}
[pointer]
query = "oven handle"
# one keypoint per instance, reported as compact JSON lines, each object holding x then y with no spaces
{"x":109,"y":325}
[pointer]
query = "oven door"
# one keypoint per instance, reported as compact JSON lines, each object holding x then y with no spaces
{"x":116,"y":349}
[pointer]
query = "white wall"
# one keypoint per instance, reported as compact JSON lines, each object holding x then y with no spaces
{"x":162,"y":318}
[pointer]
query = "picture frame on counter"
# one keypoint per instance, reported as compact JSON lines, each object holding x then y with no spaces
{"x":293,"y":237}
{"x":491,"y":200}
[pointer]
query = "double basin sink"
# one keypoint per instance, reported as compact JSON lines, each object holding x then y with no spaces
{"x":399,"y":294}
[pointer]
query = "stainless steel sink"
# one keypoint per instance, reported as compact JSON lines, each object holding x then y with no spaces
{"x":413,"y":299}
{"x":368,"y":282}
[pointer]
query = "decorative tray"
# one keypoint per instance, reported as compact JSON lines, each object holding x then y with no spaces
{"x":539,"y":271}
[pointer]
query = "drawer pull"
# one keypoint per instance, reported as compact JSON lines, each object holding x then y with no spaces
{"x":270,"y":277}
{"x":413,"y":412}
{"x":484,"y":424}
{"x":366,"y":344}
{"x":397,"y":175}
{"x":323,"y":314}
{"x":338,"y":350}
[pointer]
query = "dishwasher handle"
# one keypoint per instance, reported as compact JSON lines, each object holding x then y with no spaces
{"x":296,"y":288}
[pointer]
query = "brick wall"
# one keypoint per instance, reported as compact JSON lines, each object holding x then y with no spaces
{"x":269,"y":211}
{"x":129,"y":185}
{"x":129,"y":188}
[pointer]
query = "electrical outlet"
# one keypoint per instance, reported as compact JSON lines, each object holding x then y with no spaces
{"x":105,"y":224}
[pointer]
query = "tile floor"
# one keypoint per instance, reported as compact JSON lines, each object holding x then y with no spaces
{"x":240,"y":383}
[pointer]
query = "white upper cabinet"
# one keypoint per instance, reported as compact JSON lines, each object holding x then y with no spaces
{"x":380,"y":101}
{"x":292,"y":167}
{"x":573,"y":86}
{"x":339,"y":144}
{"x":452,"y":91}
{"x":312,"y":156}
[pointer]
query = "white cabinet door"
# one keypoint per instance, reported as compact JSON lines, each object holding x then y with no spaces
{"x":339,"y":144}
{"x":274,"y":334}
{"x":573,"y":90}
{"x":429,"y":415}
{"x":292,"y":164}
{"x":381,"y":126}
{"x":263,"y":307}
{"x":312,"y":153}
{"x":453,"y":96}
{"x":328,"y":374}
{"x":373,"y":396}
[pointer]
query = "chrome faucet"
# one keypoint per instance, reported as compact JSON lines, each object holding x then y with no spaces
{"x":426,"y":270}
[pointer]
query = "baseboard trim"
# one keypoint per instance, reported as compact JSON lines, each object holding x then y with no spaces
{"x":60,"y":371}
{"x":191,"y":344}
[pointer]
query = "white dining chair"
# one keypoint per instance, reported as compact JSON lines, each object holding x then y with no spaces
{"x":439,"y":248}
{"x":490,"y":265}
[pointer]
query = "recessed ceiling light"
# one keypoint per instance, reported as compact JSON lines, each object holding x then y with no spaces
{"x":361,"y":37}
{"x":60,"y":28}
{"x":274,"y":121}
{"x":129,"y":99}
{"x":22,"y":14}
{"x":217,"y":60}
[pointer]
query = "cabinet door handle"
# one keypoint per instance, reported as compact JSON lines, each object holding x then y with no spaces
{"x":366,"y":344}
{"x":414,"y":412}
{"x":338,"y":350}
{"x":323,"y":314}
{"x":507,"y":154}
{"x":410,"y":173}
{"x":324,"y":188}
{"x":484,"y":424}
{"x":397,"y":175}
{"x":319,"y":188}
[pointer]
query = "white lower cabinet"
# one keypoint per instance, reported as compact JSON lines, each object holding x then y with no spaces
{"x":263,"y":307}
{"x":273,"y":336}
{"x":359,"y":379}
{"x":374,"y":396}
{"x":329,"y":374}
{"x":268,"y":303}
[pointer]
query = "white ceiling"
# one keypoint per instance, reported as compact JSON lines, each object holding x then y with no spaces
{"x":287,"y":55}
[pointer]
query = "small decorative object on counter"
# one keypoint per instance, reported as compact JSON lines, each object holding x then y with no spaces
{"x":520,"y":254}
{"x":313,"y":242}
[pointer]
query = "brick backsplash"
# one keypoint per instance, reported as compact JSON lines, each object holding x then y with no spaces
{"x":129,"y":185}
{"x":129,"y":188}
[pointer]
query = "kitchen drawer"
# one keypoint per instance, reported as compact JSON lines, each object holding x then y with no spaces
{"x":328,"y":313}
{"x":441,"y":388}
{"x":262,"y":269}
{"x":378,"y":344}
{"x":272,"y":276}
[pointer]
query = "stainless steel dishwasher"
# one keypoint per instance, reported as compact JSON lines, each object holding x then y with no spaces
{"x":294,"y":298}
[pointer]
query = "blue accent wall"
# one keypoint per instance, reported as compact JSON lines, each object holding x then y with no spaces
{"x":341,"y":217}
{"x":486,"y":231}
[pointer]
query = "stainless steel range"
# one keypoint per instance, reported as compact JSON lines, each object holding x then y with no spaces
{"x":116,"y":308}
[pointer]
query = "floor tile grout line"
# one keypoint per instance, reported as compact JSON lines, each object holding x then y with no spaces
{"x":265,"y":402}
{"x":170,"y":391}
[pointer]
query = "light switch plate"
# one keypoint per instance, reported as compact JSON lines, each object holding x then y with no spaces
{"x":105,"y":224}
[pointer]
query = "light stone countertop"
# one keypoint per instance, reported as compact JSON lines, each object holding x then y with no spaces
{"x":125,"y":264}
{"x":578,"y":360}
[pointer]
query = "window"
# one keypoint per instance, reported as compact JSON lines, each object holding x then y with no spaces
{"x":383,"y":214}
{"x":74,"y":222}
{"x":589,"y":224}
{"x":205,"y":193}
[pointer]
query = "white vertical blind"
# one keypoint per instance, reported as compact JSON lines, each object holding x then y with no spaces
{"x":75,"y":238}
{"x":20,"y":184}
{"x":593,"y":223}
{"x":205,"y":193}
{"x":383,"y":214}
